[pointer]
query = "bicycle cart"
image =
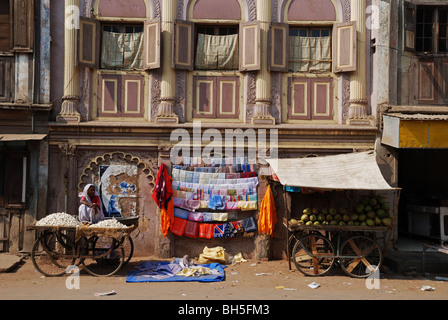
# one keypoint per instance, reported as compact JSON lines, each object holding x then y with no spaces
{"x":100,"y":251}
{"x":316,"y":249}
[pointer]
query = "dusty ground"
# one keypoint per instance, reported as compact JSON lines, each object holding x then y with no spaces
{"x":274,"y":282}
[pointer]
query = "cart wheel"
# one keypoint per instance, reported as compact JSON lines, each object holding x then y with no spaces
{"x":128,"y":246}
{"x":313,"y":255}
{"x":51,"y":254}
{"x":104,"y":256}
{"x":360,"y":257}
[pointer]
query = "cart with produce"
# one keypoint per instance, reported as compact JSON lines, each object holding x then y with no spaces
{"x":321,"y":238}
{"x":337,"y":210}
{"x":101,"y":249}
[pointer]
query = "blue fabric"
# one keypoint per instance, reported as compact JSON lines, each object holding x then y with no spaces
{"x":150,"y":271}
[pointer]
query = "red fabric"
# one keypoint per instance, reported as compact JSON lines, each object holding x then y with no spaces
{"x":163,"y":190}
{"x":162,"y":195}
{"x":206,"y":230}
{"x":192,"y":229}
{"x":178,"y":227}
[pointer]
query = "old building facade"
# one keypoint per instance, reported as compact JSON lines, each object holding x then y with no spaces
{"x":411,"y":93}
{"x":130,"y":73}
{"x":25,"y":106}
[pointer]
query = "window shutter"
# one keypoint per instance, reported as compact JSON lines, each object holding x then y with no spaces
{"x":23,"y":24}
{"x":410,"y":16}
{"x":183,"y":45}
{"x":278,"y":50}
{"x":249,"y":46}
{"x":344,"y":47}
{"x":88,"y":44}
{"x":151,"y":47}
{"x":6,"y":78}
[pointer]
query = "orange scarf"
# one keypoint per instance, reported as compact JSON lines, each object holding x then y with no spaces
{"x":268,"y":214}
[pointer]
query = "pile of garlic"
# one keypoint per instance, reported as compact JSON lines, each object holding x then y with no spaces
{"x":109,"y":223}
{"x":59,"y":219}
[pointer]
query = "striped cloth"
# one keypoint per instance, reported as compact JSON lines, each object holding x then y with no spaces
{"x":217,"y":52}
{"x":309,"y":54}
{"x":122,"y":51}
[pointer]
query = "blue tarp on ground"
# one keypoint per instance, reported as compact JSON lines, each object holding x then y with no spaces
{"x":151,"y":271}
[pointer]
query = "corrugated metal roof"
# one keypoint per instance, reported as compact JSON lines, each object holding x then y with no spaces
{"x":354,"y":171}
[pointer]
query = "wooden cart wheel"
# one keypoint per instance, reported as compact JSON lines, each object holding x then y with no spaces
{"x":313,"y":255}
{"x":103,"y":256}
{"x":128,"y":246}
{"x":53,"y":253}
{"x":360,"y":257}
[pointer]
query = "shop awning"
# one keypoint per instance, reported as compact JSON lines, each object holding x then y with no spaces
{"x":421,"y":131}
{"x":354,"y":171}
{"x":21,"y":137}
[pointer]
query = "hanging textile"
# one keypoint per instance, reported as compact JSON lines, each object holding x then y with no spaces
{"x":268,"y":214}
{"x":122,"y":51}
{"x":163,"y":196}
{"x":217,"y":52}
{"x":309,"y":54}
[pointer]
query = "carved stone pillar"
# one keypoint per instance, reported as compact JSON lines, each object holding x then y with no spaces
{"x":166,"y":112}
{"x":358,"y":82}
{"x":69,"y":109}
{"x":262,"y":109}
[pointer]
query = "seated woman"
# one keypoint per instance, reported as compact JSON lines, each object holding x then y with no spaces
{"x":90,"y":210}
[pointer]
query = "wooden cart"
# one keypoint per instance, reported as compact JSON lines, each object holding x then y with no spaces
{"x":100,"y":251}
{"x":316,"y":249}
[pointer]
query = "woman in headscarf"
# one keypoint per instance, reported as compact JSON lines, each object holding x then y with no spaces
{"x":90,"y":210}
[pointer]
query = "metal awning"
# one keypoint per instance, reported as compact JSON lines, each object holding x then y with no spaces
{"x":354,"y":171}
{"x":21,"y":137}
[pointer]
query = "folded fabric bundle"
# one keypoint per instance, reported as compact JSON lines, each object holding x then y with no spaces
{"x":207,"y":216}
{"x":181,"y":213}
{"x":195,"y":216}
{"x":220,"y":230}
{"x":231,"y":205}
{"x":216,"y":203}
{"x":247,"y":205}
{"x":179,"y":226}
{"x":220,"y":216}
{"x":250,"y":224}
{"x":191,"y":229}
{"x":206,"y":230}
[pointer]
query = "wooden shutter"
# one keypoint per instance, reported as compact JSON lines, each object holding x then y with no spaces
{"x":23,"y":25}
{"x":278,"y":50}
{"x":310,"y":99}
{"x":183,"y":45}
{"x":344,"y":47}
{"x":6,"y":79}
{"x":249,"y":46}
{"x":151,"y":49}
{"x":410,"y":16}
{"x":109,"y":95}
{"x":88,"y":44}
{"x":227,"y":97}
{"x":204,"y":97}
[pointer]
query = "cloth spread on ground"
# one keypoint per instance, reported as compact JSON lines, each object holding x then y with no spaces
{"x":153,"y":271}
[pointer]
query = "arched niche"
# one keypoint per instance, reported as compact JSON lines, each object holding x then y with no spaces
{"x":122,"y":9}
{"x":217,"y":9}
{"x":316,"y":10}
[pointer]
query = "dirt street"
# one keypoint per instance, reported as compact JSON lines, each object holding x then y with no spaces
{"x":244,"y":281}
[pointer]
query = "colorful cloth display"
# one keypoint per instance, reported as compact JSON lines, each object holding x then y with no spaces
{"x":206,"y":190}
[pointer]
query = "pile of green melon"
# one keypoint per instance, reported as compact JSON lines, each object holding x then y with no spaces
{"x":369,"y":211}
